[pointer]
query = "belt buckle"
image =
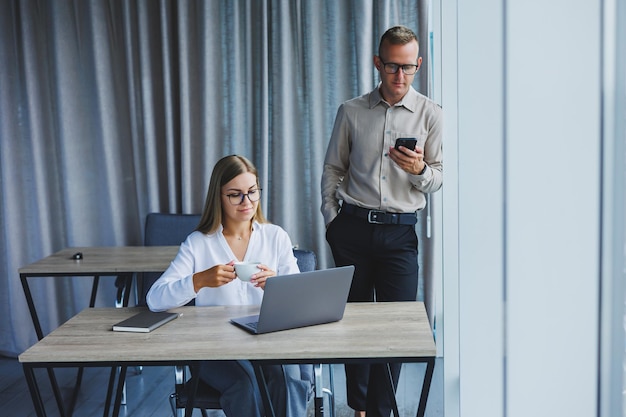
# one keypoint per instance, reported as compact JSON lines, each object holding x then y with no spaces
{"x":372,"y":216}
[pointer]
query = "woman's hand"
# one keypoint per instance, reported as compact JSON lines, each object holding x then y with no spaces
{"x":259,"y":278}
{"x":215,"y":276}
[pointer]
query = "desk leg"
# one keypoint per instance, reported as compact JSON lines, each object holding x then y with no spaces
{"x":127,"y":287}
{"x":57,"y":392}
{"x":110,"y":387}
{"x":428,"y":377}
{"x":94,"y":290}
{"x":120,"y":387}
{"x":79,"y":380}
{"x":391,"y":391}
{"x":34,"y":390}
{"x":39,"y":333}
{"x":265,"y":394}
{"x":31,"y":306}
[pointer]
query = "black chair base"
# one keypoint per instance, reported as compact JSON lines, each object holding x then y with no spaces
{"x":206,"y":398}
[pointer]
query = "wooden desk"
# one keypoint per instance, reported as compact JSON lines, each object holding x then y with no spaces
{"x":402,"y":335}
{"x":97,"y":261}
{"x":121,"y":261}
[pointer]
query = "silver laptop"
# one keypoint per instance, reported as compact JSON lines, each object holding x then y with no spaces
{"x":299,"y":300}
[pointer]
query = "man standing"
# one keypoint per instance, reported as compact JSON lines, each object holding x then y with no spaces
{"x":381,"y":187}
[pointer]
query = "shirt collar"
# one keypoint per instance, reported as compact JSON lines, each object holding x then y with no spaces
{"x":409,"y":101}
{"x":255,"y":226}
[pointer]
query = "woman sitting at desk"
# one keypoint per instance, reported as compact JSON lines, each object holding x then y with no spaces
{"x":232,"y":228}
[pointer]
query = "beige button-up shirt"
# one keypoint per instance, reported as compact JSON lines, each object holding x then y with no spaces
{"x":357,"y":168}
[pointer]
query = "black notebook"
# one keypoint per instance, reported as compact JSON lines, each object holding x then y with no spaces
{"x":145,"y":322}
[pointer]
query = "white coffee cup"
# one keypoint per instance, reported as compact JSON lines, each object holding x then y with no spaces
{"x":245,"y":270}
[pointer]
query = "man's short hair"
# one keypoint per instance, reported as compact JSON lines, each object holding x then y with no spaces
{"x":397,"y":35}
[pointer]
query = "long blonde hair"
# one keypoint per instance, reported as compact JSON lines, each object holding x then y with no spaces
{"x":225,"y":170}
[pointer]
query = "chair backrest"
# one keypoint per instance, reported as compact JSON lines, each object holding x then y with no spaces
{"x":163,"y":229}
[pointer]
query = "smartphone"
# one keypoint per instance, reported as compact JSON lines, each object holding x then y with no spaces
{"x":408,"y":143}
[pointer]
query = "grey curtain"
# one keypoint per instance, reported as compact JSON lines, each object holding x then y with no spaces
{"x":110,"y":110}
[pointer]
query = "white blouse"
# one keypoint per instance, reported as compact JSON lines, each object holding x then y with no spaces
{"x":269,"y":244}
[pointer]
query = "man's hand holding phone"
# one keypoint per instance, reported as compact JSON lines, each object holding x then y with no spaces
{"x":411,"y":158}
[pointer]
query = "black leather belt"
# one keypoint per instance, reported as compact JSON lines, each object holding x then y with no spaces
{"x":378,"y":216}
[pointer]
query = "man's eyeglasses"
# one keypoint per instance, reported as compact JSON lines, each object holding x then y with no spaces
{"x":237,"y":198}
{"x":391,"y":68}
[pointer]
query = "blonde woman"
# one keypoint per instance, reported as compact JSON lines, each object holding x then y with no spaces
{"x":232,"y":228}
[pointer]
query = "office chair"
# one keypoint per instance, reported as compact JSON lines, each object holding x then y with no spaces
{"x":163,"y":229}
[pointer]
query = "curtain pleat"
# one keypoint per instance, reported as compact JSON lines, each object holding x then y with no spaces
{"x":110,"y":110}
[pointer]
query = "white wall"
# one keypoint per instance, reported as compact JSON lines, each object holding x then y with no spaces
{"x":553,"y":139}
{"x":522,"y":338}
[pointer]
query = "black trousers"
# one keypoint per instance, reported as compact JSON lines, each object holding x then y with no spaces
{"x":385,"y":260}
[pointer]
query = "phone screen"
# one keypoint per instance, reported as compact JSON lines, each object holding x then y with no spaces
{"x":408,"y":143}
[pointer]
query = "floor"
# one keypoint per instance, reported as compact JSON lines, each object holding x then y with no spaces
{"x":149,"y":389}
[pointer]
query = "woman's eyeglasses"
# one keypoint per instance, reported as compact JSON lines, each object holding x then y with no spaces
{"x":237,"y":198}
